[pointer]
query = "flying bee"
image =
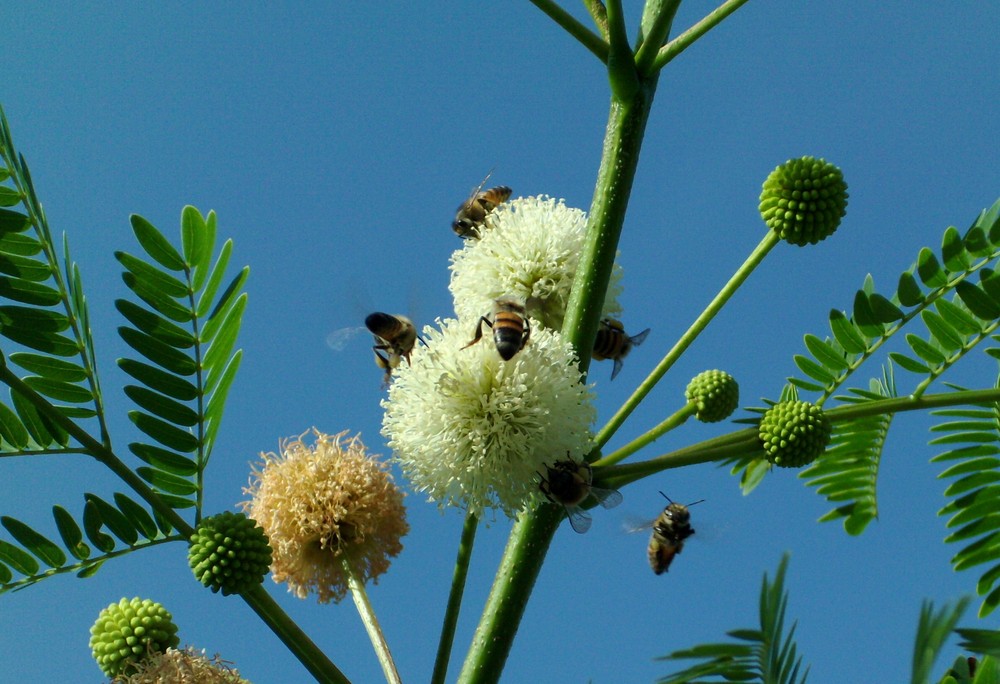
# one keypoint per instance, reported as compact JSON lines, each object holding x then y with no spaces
{"x":612,"y":343}
{"x":471,"y":215}
{"x":395,"y":337}
{"x":569,"y":483}
{"x":670,"y":530}
{"x":511,"y":328}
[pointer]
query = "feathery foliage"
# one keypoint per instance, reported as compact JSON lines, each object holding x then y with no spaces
{"x":933,"y":630}
{"x":768,"y":655}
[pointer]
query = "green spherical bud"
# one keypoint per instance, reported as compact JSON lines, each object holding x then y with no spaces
{"x":128,"y":631}
{"x":716,"y":394}
{"x":794,"y":433}
{"x":803,"y":200}
{"x":229,"y":551}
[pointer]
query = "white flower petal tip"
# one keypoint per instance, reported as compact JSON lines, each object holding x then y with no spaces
{"x":472,"y":430}
{"x":529,"y":250}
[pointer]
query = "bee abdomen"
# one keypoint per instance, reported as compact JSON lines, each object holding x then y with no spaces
{"x":382,"y":324}
{"x":610,"y":344}
{"x":508,"y":333}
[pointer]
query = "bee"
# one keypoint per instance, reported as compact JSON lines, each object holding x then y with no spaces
{"x":471,"y":215}
{"x":612,"y":343}
{"x":511,"y":328}
{"x":395,"y":337}
{"x":569,"y":483}
{"x":670,"y":530}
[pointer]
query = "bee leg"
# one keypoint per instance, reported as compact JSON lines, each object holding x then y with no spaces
{"x":527,"y":332}
{"x":479,"y":331}
{"x":381,"y":360}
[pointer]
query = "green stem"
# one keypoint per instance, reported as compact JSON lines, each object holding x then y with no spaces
{"x":455,"y":598}
{"x":622,"y":76}
{"x":587,"y":38}
{"x":677,"y":419}
{"x":600,"y":16}
{"x":743,"y":442}
{"x":94,"y":448}
{"x":370,"y":621}
{"x":686,"y":39}
{"x":522,"y":560}
{"x":534,"y":530}
{"x":657,"y":17}
{"x":724,"y":295}
{"x":295,"y":639}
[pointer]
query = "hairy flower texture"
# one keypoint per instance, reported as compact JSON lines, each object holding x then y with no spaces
{"x":318,"y":502}
{"x":530,"y":251}
{"x":472,"y":430}
{"x":182,"y":667}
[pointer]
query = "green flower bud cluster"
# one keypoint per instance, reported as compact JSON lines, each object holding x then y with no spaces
{"x":716,"y":394}
{"x":229,"y":551}
{"x":794,"y":433}
{"x":803,"y":200}
{"x":128,"y":631}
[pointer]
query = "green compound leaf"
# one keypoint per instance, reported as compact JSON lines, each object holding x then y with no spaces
{"x":956,"y":258}
{"x":13,"y":221}
{"x":154,"y":325}
{"x":161,"y":381}
{"x":973,"y":472}
{"x":159,"y":353}
{"x":978,"y":301}
{"x":155,"y":244}
{"x":945,"y":335}
{"x":933,"y":631}
{"x":846,"y":333}
{"x":59,"y":390}
{"x":908,"y":291}
{"x":48,"y":367}
{"x":116,"y":522}
{"x":769,"y":655}
{"x":92,"y":524}
{"x":825,"y":353}
{"x":162,"y":459}
{"x":164,"y":433}
{"x":20,"y":560}
{"x":28,"y":292}
{"x":161,"y":406}
{"x":958,"y":317}
{"x":43,"y":548}
{"x":153,"y":278}
{"x":70,"y":532}
{"x":166,"y":482}
{"x":929,"y":269}
{"x":12,"y":430}
{"x":137,"y":516}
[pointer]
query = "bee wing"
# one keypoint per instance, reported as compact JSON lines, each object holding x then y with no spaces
{"x":636,"y":340}
{"x":618,"y":367}
{"x":639,"y":525}
{"x":339,"y":338}
{"x":608,"y":498}
{"x":579,"y":519}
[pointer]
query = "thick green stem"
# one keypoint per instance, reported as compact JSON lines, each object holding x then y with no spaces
{"x":533,"y":532}
{"x":700,"y":323}
{"x":522,"y":560}
{"x":295,"y":639}
{"x":455,"y":598}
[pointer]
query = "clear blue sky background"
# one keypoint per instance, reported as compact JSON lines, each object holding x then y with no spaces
{"x":335,"y":143}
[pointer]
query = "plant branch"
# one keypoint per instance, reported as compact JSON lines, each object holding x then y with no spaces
{"x":686,"y":39}
{"x":370,"y":621}
{"x":676,"y":420}
{"x":587,"y":38}
{"x":700,"y":323}
{"x":600,"y":16}
{"x":455,"y":598}
{"x":295,"y":639}
{"x":657,"y":19}
{"x":94,"y":448}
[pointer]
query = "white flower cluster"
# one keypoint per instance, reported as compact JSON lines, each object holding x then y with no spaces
{"x":468,"y":428}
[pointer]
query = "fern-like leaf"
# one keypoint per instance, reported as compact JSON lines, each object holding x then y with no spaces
{"x":971,"y":436}
{"x":768,"y":655}
{"x":933,"y":631}
{"x":125,"y":519}
{"x":846,"y":474}
{"x":185,"y":331}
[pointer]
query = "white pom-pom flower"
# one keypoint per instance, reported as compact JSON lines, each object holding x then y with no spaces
{"x":472,"y":430}
{"x":530,"y":250}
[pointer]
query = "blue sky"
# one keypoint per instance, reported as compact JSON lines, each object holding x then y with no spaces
{"x":335,"y":142}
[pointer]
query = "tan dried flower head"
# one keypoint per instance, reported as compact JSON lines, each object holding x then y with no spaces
{"x":185,"y":666}
{"x":321,"y":501}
